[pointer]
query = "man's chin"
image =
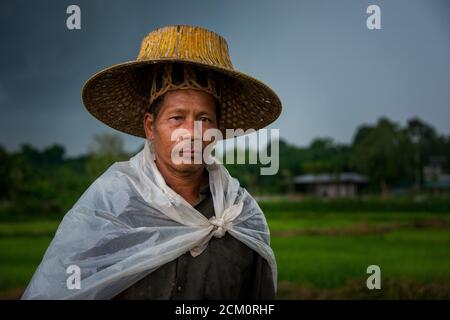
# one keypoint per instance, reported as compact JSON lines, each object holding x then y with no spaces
{"x":189,"y":167}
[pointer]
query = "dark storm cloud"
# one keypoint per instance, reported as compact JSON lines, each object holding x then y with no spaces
{"x":331,"y":73}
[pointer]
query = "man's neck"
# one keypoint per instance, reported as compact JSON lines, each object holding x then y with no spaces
{"x":187,"y":185}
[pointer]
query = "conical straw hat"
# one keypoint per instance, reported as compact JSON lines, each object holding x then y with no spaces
{"x":120,"y":95}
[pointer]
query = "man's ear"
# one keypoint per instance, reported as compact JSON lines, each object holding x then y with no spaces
{"x":149,"y":126}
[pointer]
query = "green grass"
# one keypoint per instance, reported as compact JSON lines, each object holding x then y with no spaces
{"x":415,"y":249}
{"x":20,"y":257}
{"x":328,"y":262}
{"x":329,"y":217}
{"x":28,"y":229}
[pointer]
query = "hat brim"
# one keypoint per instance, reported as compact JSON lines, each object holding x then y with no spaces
{"x":119,"y":96}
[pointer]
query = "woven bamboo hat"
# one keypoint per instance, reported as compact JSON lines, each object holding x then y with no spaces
{"x":120,"y":95}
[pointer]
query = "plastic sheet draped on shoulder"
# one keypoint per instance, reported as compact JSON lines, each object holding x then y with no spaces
{"x":129,"y":222}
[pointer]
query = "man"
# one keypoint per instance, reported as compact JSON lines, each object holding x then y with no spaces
{"x":209,"y":275}
{"x":152,"y":227}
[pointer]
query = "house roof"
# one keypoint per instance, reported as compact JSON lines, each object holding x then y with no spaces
{"x":352,"y":177}
{"x":441,"y":182}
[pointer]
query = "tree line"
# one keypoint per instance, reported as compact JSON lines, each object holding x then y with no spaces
{"x":47,"y":182}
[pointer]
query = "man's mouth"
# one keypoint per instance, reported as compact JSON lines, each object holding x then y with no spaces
{"x":191,"y":151}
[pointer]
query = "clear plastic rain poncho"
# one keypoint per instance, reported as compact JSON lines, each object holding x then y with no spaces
{"x":129,"y":222}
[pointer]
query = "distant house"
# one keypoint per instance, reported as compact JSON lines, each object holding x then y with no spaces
{"x":434,"y":175}
{"x":439,"y":183}
{"x":345,"y":184}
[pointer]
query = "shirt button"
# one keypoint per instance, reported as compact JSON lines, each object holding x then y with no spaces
{"x":179,"y":288}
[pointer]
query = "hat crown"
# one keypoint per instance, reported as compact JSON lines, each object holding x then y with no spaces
{"x":184,"y":42}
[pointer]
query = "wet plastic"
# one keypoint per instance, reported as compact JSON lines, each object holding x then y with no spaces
{"x":129,"y":222}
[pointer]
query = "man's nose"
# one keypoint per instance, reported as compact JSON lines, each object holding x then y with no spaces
{"x":194,"y":128}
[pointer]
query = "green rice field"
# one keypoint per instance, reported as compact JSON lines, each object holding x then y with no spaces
{"x":320,"y":255}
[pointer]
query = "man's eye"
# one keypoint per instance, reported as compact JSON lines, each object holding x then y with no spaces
{"x":204,"y":119}
{"x":177,"y":118}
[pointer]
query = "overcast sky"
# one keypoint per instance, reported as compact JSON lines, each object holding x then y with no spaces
{"x":331,"y":73}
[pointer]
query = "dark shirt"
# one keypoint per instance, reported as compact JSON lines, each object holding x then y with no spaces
{"x":226,"y":269}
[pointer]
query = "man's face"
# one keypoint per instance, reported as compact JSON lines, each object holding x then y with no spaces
{"x":179,"y":111}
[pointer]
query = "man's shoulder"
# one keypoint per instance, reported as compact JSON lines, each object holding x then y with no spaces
{"x":116,"y":178}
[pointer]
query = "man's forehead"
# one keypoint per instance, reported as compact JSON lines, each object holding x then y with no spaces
{"x":188,"y":100}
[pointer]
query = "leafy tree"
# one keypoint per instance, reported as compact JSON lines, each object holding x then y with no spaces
{"x":103,"y":152}
{"x":5,"y":177}
{"x":384,"y":153}
{"x":427,"y":144}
